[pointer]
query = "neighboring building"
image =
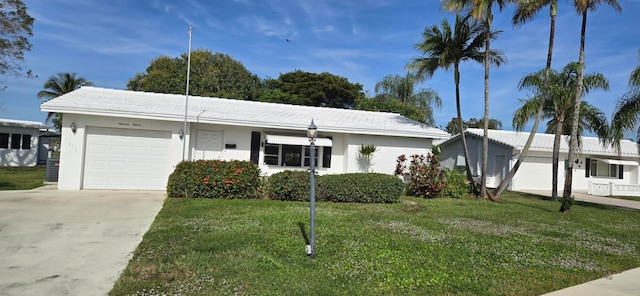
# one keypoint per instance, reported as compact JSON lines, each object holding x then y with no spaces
{"x":19,"y":142}
{"x":116,"y":139}
{"x":48,"y":142}
{"x":595,"y":165}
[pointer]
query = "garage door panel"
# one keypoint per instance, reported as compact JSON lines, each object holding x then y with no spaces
{"x":119,"y":158}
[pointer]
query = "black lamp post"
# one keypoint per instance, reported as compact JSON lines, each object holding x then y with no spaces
{"x":312,"y":133}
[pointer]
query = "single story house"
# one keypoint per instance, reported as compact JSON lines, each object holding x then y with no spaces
{"x":118,"y":139}
{"x":596,"y":166}
{"x":19,"y":142}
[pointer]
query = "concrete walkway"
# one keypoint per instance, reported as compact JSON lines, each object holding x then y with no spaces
{"x":55,"y":242}
{"x":584,"y":197}
{"x":621,"y":284}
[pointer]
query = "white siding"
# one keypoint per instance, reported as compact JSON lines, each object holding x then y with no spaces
{"x":389,"y":148}
{"x":19,"y":157}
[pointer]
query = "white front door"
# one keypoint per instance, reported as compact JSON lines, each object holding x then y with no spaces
{"x":208,"y":145}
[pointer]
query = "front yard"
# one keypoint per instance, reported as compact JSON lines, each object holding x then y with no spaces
{"x":21,"y":178}
{"x":521,"y":246}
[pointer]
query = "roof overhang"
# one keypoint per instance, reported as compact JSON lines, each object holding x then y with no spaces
{"x":618,"y":161}
{"x":292,"y":140}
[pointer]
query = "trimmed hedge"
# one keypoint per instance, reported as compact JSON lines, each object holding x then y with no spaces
{"x":361,"y":188}
{"x":457,"y":184}
{"x":215,"y":179}
{"x":288,"y":185}
{"x":357,"y":187}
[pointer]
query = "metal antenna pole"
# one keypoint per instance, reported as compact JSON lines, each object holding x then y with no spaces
{"x":186,"y":102}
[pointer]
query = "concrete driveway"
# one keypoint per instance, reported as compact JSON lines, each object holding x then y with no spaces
{"x":70,"y":242}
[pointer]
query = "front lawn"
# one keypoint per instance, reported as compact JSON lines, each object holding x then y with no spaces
{"x":635,"y":198}
{"x":21,"y":178}
{"x":521,"y":246}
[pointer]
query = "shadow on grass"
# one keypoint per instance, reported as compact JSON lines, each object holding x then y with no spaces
{"x":548,"y":198}
{"x":303,"y":232}
{"x":7,"y":185}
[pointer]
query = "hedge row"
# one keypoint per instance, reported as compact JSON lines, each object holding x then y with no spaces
{"x":357,"y":187}
{"x":215,"y":179}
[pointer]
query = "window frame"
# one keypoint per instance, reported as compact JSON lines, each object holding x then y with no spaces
{"x":4,"y":140}
{"x":304,"y":155}
{"x":597,"y":169}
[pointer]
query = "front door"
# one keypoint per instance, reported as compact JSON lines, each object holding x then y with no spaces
{"x":208,"y":145}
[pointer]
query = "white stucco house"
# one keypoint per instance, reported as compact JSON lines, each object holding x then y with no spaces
{"x":19,"y":142}
{"x":117,"y":139}
{"x":600,"y":170}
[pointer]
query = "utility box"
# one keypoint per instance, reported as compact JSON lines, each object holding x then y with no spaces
{"x":53,"y":166}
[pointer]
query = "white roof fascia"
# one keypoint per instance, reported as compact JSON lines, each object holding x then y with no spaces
{"x":302,"y":141}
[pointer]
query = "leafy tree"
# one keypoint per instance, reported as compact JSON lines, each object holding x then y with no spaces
{"x":627,"y":111}
{"x":444,"y":47}
{"x":382,"y":103}
{"x":58,"y":85}
{"x":212,"y":75}
{"x":558,"y":105}
{"x":403,"y":89}
{"x":312,"y":89}
{"x":15,"y":30}
{"x":525,"y":11}
{"x":453,"y":127}
{"x":582,"y":7}
{"x":481,"y":10}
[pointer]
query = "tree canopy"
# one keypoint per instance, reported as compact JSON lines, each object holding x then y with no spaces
{"x":212,"y":75}
{"x":382,"y":103}
{"x":404,"y":90}
{"x":15,"y":30}
{"x":58,"y":85}
{"x":453,"y":127}
{"x":312,"y":89}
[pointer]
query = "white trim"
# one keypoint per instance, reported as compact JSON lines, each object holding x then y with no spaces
{"x":618,"y":162}
{"x":302,"y":141}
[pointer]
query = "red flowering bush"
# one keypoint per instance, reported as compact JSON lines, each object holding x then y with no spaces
{"x":423,"y":175}
{"x":215,"y":179}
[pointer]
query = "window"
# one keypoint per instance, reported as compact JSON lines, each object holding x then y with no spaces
{"x":26,"y":142}
{"x":295,"y":155}
{"x":4,"y":140}
{"x":601,"y":169}
{"x":15,"y":141}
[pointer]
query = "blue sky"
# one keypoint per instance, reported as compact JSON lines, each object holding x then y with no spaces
{"x":108,"y":42}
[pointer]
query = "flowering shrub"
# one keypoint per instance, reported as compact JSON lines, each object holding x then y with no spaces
{"x":215,"y":179}
{"x":423,"y":175}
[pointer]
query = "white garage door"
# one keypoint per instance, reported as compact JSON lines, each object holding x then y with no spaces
{"x":117,"y":158}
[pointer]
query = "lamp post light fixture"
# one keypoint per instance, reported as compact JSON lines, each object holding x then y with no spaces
{"x":312,"y":134}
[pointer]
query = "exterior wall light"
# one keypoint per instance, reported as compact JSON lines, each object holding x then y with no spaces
{"x":74,"y":128}
{"x":181,"y":134}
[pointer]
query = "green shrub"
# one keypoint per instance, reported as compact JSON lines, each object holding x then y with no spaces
{"x":423,"y":174}
{"x":361,"y":188}
{"x":215,"y":179}
{"x":457,"y":184}
{"x":288,"y":185}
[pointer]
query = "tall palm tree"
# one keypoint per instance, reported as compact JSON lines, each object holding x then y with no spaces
{"x":582,"y":7}
{"x":481,"y":10}
{"x":525,"y":11}
{"x":560,"y":89}
{"x":627,"y":111}
{"x":444,"y":47}
{"x":403,"y":88}
{"x":58,"y":85}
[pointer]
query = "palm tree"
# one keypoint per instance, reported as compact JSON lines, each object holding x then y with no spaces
{"x":627,"y":111}
{"x":403,"y":89}
{"x":557,"y":107}
{"x":525,"y":11}
{"x":443,"y":48}
{"x":58,"y":85}
{"x":582,"y":7}
{"x":481,"y":10}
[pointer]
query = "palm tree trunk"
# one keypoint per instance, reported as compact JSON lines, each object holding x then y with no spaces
{"x":573,"y":142}
{"x":467,"y":164}
{"x":485,"y":139}
{"x":545,"y":96}
{"x":556,"y":156}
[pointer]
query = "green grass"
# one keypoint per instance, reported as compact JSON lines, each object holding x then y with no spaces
{"x":521,"y":246}
{"x":21,"y":178}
